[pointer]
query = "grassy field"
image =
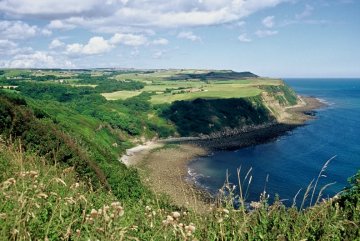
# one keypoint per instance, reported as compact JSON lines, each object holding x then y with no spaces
{"x":211,"y":91}
{"x":166,"y":90}
{"x":121,"y":95}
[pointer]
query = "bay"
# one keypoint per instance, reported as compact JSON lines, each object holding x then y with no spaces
{"x":289,"y":163}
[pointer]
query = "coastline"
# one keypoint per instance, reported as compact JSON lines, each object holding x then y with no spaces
{"x":163,"y":165}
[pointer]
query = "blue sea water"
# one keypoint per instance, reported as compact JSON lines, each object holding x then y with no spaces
{"x":292,"y":161}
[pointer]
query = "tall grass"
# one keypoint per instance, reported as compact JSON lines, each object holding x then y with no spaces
{"x":40,"y":201}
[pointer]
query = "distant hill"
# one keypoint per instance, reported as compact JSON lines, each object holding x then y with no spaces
{"x":215,"y":75}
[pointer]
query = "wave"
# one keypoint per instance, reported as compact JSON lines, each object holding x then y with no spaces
{"x":195,"y":177}
{"x":326,"y":102}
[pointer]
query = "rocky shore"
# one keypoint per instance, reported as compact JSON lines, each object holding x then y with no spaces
{"x":163,"y":164}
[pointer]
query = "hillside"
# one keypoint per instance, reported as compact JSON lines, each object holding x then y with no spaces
{"x":46,"y":201}
{"x":58,"y":131}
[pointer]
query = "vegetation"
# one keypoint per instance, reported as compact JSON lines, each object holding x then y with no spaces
{"x":46,"y":201}
{"x":60,"y":177}
{"x":202,"y":116}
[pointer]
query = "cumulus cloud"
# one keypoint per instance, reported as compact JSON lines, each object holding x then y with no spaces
{"x":137,"y":13}
{"x":10,"y":48}
{"x":189,"y":36}
{"x":58,"y":24}
{"x":160,"y":41}
{"x":128,"y":39}
{"x":96,"y":45}
{"x":265,"y":33}
{"x":56,"y":43}
{"x":6,"y":45}
{"x":55,"y":8}
{"x":17,"y":30}
{"x":20,"y":30}
{"x":37,"y":59}
{"x":46,"y":32}
{"x":268,"y":21}
{"x":244,"y":38}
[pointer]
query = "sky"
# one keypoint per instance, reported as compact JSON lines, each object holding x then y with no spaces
{"x":274,"y":38}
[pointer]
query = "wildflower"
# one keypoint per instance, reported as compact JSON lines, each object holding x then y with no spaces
{"x":255,"y":205}
{"x":118,"y":208}
{"x":99,"y":211}
{"x":106,"y":208}
{"x":148,"y":208}
{"x":220,"y":220}
{"x":190,"y":229}
{"x":115,"y":204}
{"x":175,"y":215}
{"x":169,"y":218}
{"x":93,"y":213}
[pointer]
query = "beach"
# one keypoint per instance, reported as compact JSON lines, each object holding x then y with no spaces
{"x":163,"y":165}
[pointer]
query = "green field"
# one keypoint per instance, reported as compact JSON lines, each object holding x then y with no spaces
{"x":211,"y":91}
{"x":121,"y":95}
{"x":171,"y":85}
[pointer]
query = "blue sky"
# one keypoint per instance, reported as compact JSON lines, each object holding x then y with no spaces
{"x":275,"y":38}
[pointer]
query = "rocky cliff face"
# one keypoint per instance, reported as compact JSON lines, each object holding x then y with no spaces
{"x":278,"y":100}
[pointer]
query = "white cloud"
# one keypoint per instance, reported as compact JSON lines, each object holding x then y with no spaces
{"x":268,"y":21}
{"x":10,"y":48}
{"x":128,"y":39}
{"x":306,"y":13}
{"x":97,"y":14}
{"x":53,"y":8}
{"x":37,"y":59}
{"x":160,"y":41}
{"x":17,"y":30}
{"x":189,"y":36}
{"x":244,"y":38}
{"x":56,"y":43}
{"x":96,"y":45}
{"x":266,"y":33}
{"x":6,"y":45}
{"x":58,"y":24}
{"x":46,"y":32}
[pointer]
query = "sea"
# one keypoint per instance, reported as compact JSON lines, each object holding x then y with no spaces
{"x":286,"y":166}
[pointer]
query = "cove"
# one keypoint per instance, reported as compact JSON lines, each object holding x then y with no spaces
{"x":290,"y":162}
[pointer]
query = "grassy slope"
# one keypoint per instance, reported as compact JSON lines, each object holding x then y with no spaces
{"x":64,"y":133}
{"x":45,"y":201}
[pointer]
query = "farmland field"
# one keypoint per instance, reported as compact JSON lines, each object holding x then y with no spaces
{"x":167,"y":86}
